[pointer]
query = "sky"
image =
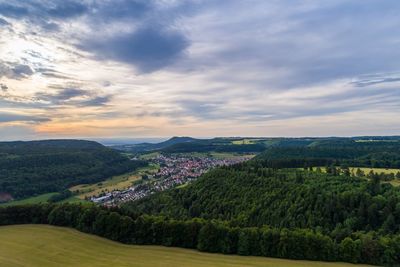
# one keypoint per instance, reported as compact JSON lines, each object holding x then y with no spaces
{"x":159,"y":68}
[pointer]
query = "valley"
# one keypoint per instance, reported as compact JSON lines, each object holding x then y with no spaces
{"x":320,"y":199}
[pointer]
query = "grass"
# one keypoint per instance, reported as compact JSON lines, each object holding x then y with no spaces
{"x":244,"y":141}
{"x":395,"y":182}
{"x":376,"y":170}
{"x":31,"y":200}
{"x":42,"y":199}
{"x":149,"y":155}
{"x":367,"y":170}
{"x":45,"y":246}
{"x":217,"y":155}
{"x":119,"y":182}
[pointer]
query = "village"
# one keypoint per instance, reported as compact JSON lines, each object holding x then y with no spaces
{"x":174,"y":171}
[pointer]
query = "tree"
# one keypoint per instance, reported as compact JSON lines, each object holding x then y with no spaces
{"x":389,"y":226}
{"x":350,"y":250}
{"x":360,"y":173}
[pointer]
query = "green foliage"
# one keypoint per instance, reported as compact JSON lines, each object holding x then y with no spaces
{"x":250,"y":195}
{"x":60,"y":196}
{"x":337,"y":151}
{"x":210,"y":235}
{"x":37,"y":167}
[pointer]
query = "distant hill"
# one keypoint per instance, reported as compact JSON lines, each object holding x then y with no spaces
{"x":36,"y":167}
{"x":189,"y":145}
{"x":147,"y":147}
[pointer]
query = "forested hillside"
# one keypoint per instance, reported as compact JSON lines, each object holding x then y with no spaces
{"x":304,"y":187}
{"x":320,"y":152}
{"x":36,"y":167}
{"x":250,"y":195}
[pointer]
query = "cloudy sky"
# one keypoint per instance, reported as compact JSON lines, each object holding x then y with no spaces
{"x":158,"y":68}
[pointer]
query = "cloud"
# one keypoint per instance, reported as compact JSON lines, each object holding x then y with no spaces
{"x":96,"y":101}
{"x":374,"y":79}
{"x":3,"y":87}
{"x":34,"y":9}
{"x":15,"y":70}
{"x":248,"y":64}
{"x":13,"y":117}
{"x":136,"y":32}
{"x":4,"y":22}
{"x":13,"y":9}
{"x":119,"y":9}
{"x":67,"y":9}
{"x":148,"y":49}
{"x":73,"y":97}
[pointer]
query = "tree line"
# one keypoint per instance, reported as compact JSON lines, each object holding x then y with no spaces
{"x":209,"y":235}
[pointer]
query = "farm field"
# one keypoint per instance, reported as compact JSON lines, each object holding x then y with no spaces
{"x":395,"y":182}
{"x":365,"y":170}
{"x":42,"y":199}
{"x":219,"y":155}
{"x":377,"y":170}
{"x":44,"y":246}
{"x":118,"y":182}
{"x":31,"y":200}
{"x":245,"y":141}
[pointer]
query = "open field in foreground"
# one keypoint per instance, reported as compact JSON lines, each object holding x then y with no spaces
{"x":44,"y":246}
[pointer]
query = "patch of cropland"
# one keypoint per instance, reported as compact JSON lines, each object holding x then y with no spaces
{"x":79,"y":249}
{"x":37,"y":167}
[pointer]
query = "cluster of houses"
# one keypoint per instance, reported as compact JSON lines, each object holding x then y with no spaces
{"x":174,"y":170}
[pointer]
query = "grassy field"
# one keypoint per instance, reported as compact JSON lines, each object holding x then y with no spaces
{"x":32,"y":200}
{"x":45,"y":246}
{"x":244,"y":141}
{"x":218,"y":155}
{"x":376,"y":170}
{"x":149,"y":155}
{"x":367,"y":170}
{"x":41,"y":199}
{"x":395,"y":182}
{"x":119,"y":182}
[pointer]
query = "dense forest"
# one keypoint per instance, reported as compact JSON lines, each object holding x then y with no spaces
{"x":338,"y":151}
{"x":302,"y":187}
{"x":211,"y":235}
{"x":36,"y":167}
{"x":250,"y":195}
